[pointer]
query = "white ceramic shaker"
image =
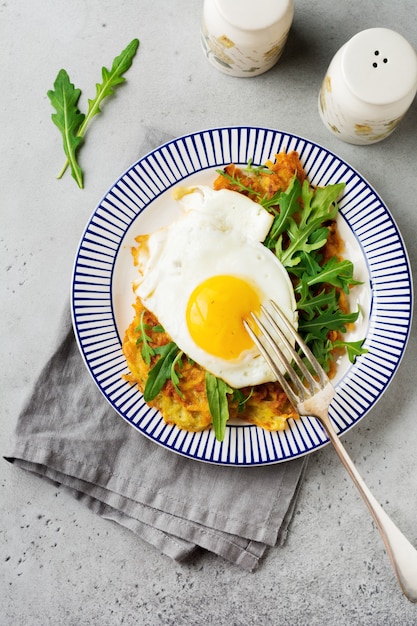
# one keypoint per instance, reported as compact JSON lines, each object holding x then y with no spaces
{"x":246,"y":37}
{"x":369,"y":85}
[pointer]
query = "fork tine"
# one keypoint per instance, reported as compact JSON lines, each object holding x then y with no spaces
{"x":277,"y":350}
{"x":270,"y":349}
{"x":306,"y":350}
{"x":294,"y":399}
{"x":294,"y":354}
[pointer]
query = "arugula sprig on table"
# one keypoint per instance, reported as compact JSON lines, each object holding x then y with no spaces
{"x":68,"y":119}
{"x":71,"y":122}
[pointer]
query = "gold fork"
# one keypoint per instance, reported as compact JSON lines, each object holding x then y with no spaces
{"x":311,"y":396}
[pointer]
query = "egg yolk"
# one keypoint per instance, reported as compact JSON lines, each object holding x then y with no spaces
{"x":215,"y":313}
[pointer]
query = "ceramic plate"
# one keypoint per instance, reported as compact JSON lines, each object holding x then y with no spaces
{"x":142,"y":200}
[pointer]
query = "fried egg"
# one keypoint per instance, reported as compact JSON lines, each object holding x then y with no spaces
{"x":205,"y":273}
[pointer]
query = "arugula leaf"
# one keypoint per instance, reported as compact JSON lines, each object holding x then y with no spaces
{"x":256,"y":169}
{"x":175,"y":376}
{"x":322,"y":348}
{"x":238,"y":183}
{"x":110,"y":79}
{"x":312,"y":304}
{"x":336,"y":273}
{"x":329,"y":319}
{"x":308,"y":266}
{"x":288,"y":205}
{"x":308,"y":235}
{"x":64,"y":98}
{"x":147,"y":350}
{"x":161,"y":371}
{"x":353,"y":348}
{"x":239,"y":397}
{"x":216,"y":390}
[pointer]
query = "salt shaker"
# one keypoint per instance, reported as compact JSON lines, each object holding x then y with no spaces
{"x":245,"y":38}
{"x":369,"y":85}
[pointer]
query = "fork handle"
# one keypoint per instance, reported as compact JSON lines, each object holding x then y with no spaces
{"x":402,"y":554}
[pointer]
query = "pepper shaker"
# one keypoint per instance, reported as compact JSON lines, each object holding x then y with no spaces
{"x":369,"y":86}
{"x":245,"y":38}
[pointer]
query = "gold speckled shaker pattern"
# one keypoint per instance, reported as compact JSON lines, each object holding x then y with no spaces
{"x":232,"y":59}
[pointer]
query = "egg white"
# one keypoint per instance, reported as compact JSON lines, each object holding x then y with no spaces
{"x":220,"y":234}
{"x":228,"y":210}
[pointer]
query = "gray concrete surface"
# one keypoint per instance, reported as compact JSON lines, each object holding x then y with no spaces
{"x":60,"y":564}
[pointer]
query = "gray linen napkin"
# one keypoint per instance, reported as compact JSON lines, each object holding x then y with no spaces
{"x":69,"y":434}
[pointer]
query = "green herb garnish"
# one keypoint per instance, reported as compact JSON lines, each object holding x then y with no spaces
{"x":241,"y":399}
{"x":310,"y":233}
{"x":256,"y":169}
{"x":147,"y":350}
{"x":353,"y":348}
{"x":70,"y":121}
{"x":217,"y":390}
{"x":161,"y":371}
{"x":238,"y":183}
{"x":176,"y":375}
{"x":165,"y":367}
{"x":299,"y":232}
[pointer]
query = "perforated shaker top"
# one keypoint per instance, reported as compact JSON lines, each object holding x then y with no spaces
{"x":379,"y":66}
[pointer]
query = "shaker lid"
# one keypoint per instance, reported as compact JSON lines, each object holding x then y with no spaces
{"x":255,"y":15}
{"x":379,"y":66}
